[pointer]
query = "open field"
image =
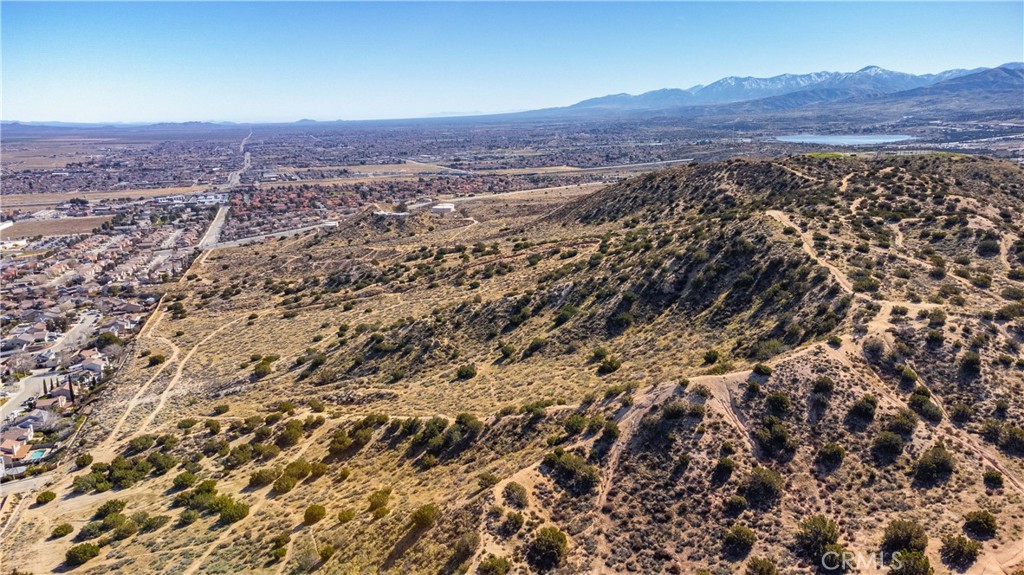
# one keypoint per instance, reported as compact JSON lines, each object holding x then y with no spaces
{"x":58,"y":152}
{"x":45,"y":199}
{"x":56,"y":227}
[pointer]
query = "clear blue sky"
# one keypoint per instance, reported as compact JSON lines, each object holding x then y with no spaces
{"x":266,"y":61}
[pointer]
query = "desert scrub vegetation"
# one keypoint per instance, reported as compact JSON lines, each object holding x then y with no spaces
{"x":515,"y":495}
{"x":548,"y":549}
{"x":571,"y":471}
{"x":81,"y":553}
{"x":763,"y":487}
{"x":738,"y":541}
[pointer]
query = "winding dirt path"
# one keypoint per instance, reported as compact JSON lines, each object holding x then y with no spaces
{"x":808,"y":245}
{"x":177,"y":375}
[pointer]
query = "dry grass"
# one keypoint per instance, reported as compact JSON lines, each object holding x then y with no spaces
{"x":58,"y":227}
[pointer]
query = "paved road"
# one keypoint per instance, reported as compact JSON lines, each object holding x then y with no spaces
{"x":281,"y":234}
{"x":33,"y":386}
{"x":24,"y":485}
{"x":213,"y":232}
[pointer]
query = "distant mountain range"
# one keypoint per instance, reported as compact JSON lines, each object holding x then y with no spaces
{"x":813,"y":87}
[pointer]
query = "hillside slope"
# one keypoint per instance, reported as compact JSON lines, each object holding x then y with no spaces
{"x":671,"y":374}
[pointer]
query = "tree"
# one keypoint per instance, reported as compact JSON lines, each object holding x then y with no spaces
{"x":184,"y":480}
{"x":548,"y":549}
{"x":515,"y":495}
{"x":936,"y":464}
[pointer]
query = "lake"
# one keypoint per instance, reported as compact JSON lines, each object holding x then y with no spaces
{"x":847,"y":140}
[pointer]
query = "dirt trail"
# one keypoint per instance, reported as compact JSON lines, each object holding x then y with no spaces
{"x":627,"y":429}
{"x":808,"y":245}
{"x":177,"y":375}
{"x":1005,"y":243}
{"x":795,"y":172}
{"x":102,"y":449}
{"x":845,"y":182}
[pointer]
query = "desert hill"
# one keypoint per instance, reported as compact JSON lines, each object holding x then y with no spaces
{"x":672,"y":374}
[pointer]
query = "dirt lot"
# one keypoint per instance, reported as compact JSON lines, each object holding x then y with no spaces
{"x":17,"y":200}
{"x":63,"y":226}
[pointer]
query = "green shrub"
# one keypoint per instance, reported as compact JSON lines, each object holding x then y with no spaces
{"x":513,"y":522}
{"x":467,"y":371}
{"x":548,"y":549}
{"x":823,"y":384}
{"x":284,"y":484}
{"x":935,"y":464}
{"x":762,"y":370}
{"x":608,"y":365}
{"x":232,"y":511}
{"x":45,"y":497}
{"x":188,"y":517}
{"x":184,"y":480}
{"x":84,"y":460}
{"x":109,"y":508}
{"x":515,"y":495}
{"x":993,"y":479}
{"x":778,"y":403}
{"x":346,"y":515}
{"x":887,"y":446}
{"x":313,"y":514}
{"x":814,"y":536}
{"x":81,"y":553}
{"x":902,"y":422}
{"x":326,"y":552}
{"x":493,"y":565}
{"x":759,"y":566}
{"x":912,"y":563}
{"x":723,"y":469}
{"x":571,"y":471}
{"x":738,"y":540}
{"x":425,"y":516}
{"x":864,"y":408}
{"x":904,"y":535}
{"x":61,"y":530}
{"x":735,"y":505}
{"x":763,"y":487}
{"x":378,"y":499}
{"x":831,"y":456}
{"x":980,"y":524}
{"x":959,"y":551}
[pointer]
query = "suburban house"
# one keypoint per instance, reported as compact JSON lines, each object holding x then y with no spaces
{"x":13,"y":451}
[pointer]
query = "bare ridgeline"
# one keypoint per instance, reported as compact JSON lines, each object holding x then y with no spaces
{"x":606,"y":338}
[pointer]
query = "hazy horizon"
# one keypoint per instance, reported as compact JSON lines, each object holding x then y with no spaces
{"x":274,"y":62}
